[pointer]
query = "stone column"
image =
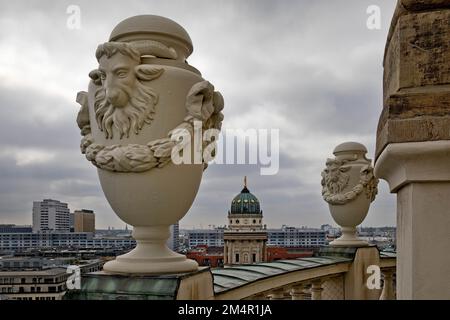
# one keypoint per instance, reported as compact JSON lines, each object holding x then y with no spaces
{"x":388,"y":292}
{"x":355,"y":280}
{"x":298,"y":292}
{"x":225,"y":254}
{"x":413,"y":144}
{"x":316,"y":290}
{"x":277,"y":294}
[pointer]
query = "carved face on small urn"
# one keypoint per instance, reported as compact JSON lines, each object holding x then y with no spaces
{"x":349,"y":186}
{"x":141,"y":94}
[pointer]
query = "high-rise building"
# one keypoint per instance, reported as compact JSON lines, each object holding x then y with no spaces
{"x":50,"y":215}
{"x":174,"y":241}
{"x":245,"y":238}
{"x":84,"y":220}
{"x":72,"y":222}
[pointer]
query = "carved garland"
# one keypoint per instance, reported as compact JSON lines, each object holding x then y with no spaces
{"x":367,"y":182}
{"x":202,"y":104}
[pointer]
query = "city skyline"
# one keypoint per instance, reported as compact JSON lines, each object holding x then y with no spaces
{"x":182,"y":227}
{"x":325,"y":68}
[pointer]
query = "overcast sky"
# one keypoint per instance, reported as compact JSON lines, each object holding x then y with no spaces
{"x":311,"y":69}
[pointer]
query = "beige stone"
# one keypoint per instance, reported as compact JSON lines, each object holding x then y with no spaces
{"x":349,"y":186}
{"x":416,"y":75}
{"x":419,"y":173}
{"x":142,"y":95}
{"x":413,"y":144}
{"x":355,"y":280}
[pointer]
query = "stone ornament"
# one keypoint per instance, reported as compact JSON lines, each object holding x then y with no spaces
{"x":140,"y":97}
{"x":335,"y":179}
{"x":202,"y":104}
{"x":349,"y":186}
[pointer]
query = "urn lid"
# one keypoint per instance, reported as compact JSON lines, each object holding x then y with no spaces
{"x":350,"y":147}
{"x":144,"y":27}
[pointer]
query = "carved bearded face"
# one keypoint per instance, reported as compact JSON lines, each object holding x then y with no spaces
{"x":123,"y":101}
{"x":118,"y":78}
{"x":334,"y":177}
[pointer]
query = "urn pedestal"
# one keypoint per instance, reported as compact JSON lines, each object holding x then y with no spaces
{"x":349,"y":186}
{"x":143,"y":111}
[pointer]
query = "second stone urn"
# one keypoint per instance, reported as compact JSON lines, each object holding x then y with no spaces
{"x":349,"y":186}
{"x":141,"y":97}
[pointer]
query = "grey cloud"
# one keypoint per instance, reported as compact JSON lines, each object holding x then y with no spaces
{"x":313,"y":63}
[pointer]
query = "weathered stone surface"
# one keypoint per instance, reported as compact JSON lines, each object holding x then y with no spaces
{"x":417,"y":75}
{"x":415,"y":5}
{"x":408,"y":6}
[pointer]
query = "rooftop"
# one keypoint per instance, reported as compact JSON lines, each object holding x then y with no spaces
{"x":45,"y":272}
{"x":236,"y":276}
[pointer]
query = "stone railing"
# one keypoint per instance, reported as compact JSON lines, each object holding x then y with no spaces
{"x":335,"y":274}
{"x":340,"y":276}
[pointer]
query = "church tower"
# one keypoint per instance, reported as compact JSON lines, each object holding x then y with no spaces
{"x":245,"y":238}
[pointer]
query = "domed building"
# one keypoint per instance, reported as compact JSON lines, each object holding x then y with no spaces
{"x":245,"y":238}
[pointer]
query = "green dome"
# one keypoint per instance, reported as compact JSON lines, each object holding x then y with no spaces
{"x":245,"y":203}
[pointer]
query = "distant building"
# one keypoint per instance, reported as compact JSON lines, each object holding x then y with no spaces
{"x":50,"y":215}
{"x":213,"y":256}
{"x":23,"y":241}
{"x":23,"y":263}
{"x":286,"y":236}
{"x":47,"y":284}
{"x":207,"y":237}
{"x":12,"y":228}
{"x":330,"y":230}
{"x":174,"y":241}
{"x":297,"y":237}
{"x":84,"y":220}
{"x":283,"y":253}
{"x":207,"y":256}
{"x":72,"y":222}
{"x":40,"y":278}
{"x":245,"y":239}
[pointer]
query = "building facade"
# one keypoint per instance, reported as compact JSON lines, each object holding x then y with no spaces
{"x":51,"y":215}
{"x":23,"y":241}
{"x":12,"y":228}
{"x":286,"y":236}
{"x":206,"y":237}
{"x":245,"y":239}
{"x":174,"y":241}
{"x":291,"y":237}
{"x":84,"y":220}
{"x":47,"y":284}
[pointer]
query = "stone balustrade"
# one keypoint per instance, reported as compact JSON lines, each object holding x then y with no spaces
{"x":316,"y":278}
{"x":334,"y":274}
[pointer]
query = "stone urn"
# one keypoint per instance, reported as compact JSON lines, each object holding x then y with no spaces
{"x":349,"y":186}
{"x":146,"y":108}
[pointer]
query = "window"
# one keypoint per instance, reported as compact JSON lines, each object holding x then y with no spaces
{"x":254,"y":257}
{"x":237,"y":258}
